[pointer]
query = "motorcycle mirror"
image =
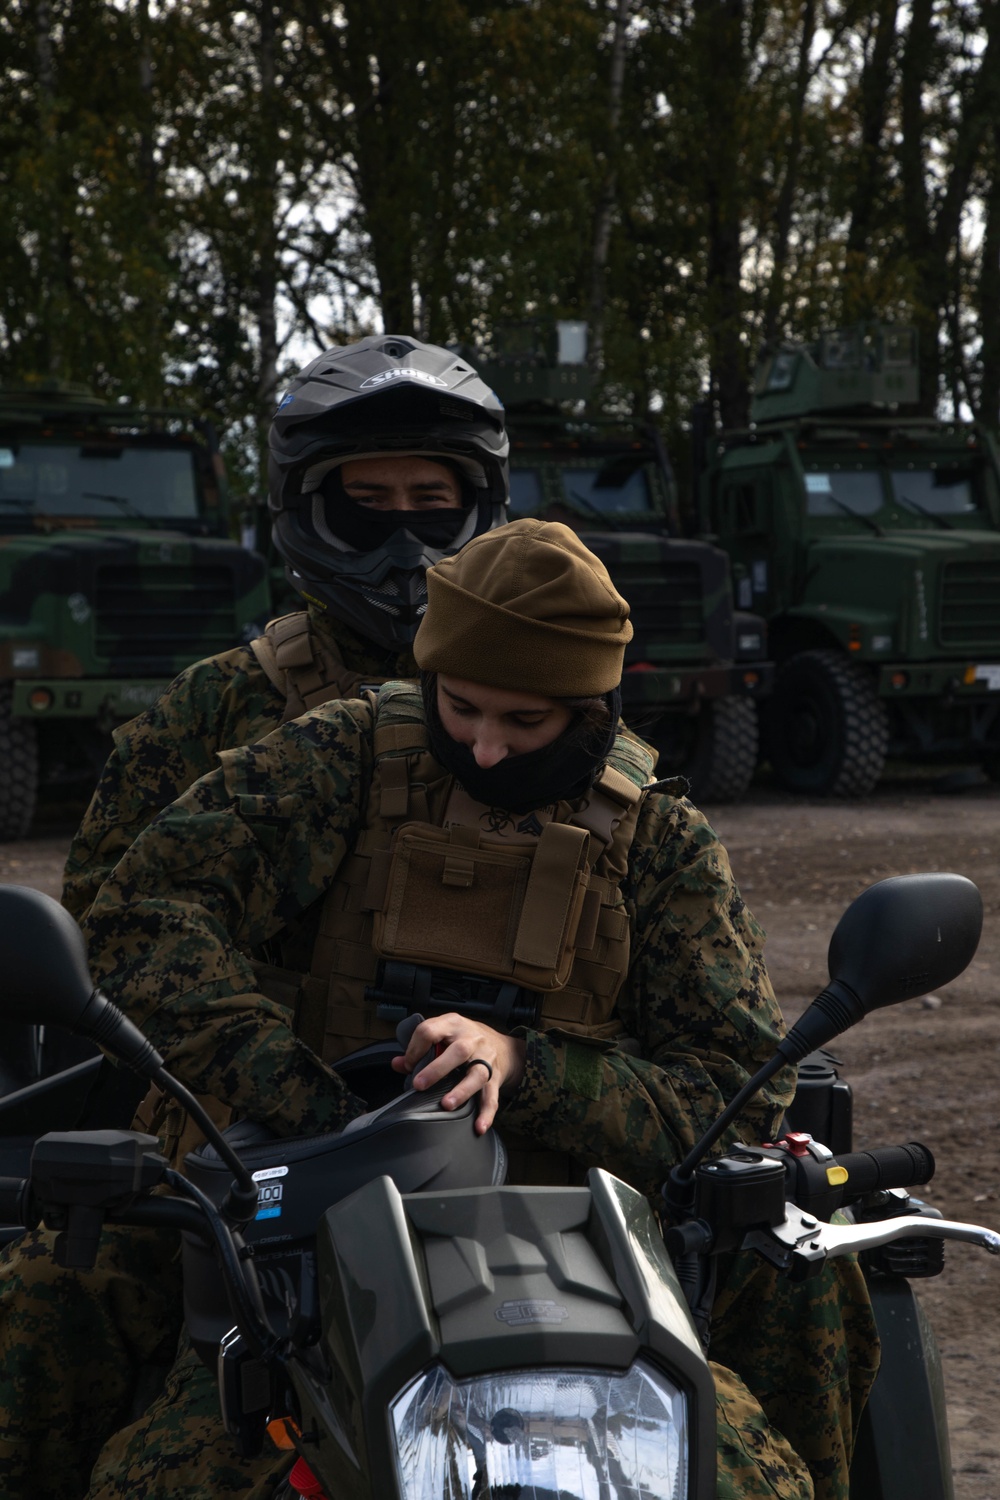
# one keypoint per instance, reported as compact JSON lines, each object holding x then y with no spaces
{"x":43,"y":960}
{"x":906,"y":936}
{"x":46,"y":981}
{"x":901,"y":938}
{"x":46,"y":978}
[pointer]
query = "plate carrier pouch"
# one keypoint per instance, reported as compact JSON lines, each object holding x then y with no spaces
{"x":542,"y":910}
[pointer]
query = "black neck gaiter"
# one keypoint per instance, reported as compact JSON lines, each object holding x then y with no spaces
{"x":559,"y":772}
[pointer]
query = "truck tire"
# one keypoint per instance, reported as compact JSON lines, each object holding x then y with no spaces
{"x":716,"y":749}
{"x":18,"y":770}
{"x":827,"y":731}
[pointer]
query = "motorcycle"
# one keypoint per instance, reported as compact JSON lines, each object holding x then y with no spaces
{"x":503,"y":1340}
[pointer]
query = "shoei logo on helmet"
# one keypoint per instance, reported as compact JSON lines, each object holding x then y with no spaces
{"x":387,"y":375}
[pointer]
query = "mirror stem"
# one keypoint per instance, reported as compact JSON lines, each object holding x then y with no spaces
{"x":834,"y":1010}
{"x":241,"y":1203}
{"x":105,"y":1024}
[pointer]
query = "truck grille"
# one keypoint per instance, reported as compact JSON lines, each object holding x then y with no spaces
{"x":970,"y":604}
{"x":162,"y":611}
{"x":666,"y":606}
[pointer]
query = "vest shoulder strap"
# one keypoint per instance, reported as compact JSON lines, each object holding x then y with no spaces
{"x":399,"y":720}
{"x":305,"y":670}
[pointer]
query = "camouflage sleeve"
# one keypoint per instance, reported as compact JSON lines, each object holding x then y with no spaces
{"x":698,"y":1002}
{"x":223,"y":701}
{"x":221,"y":870}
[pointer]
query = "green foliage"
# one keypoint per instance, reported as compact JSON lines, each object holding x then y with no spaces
{"x":193,"y":197}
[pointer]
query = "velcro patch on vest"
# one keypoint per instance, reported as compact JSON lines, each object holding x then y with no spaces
{"x":584,"y":1070}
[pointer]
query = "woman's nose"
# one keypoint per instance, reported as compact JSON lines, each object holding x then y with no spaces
{"x":489,"y":750}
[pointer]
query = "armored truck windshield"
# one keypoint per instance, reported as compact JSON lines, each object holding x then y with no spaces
{"x":897,"y":497}
{"x":617,"y":489}
{"x":100,"y":482}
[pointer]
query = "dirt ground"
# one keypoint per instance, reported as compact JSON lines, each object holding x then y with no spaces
{"x":924,"y":1071}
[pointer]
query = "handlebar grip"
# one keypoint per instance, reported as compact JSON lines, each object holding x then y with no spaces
{"x":13,"y":1200}
{"x":886,"y":1167}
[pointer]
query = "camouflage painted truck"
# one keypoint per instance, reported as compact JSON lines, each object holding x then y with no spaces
{"x":870,"y":540}
{"x":116,"y":571}
{"x":695,"y":665}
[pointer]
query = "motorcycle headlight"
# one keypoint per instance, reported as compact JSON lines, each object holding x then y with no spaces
{"x":543,"y":1434}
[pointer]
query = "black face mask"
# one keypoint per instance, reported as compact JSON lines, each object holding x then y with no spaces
{"x":559,"y":772}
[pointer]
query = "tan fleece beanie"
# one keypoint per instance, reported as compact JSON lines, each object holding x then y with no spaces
{"x":528,"y":608}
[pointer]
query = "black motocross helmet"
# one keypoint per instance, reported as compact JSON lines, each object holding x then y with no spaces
{"x":388,"y":395}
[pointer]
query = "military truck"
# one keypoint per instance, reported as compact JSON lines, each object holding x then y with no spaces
{"x":116,"y":571}
{"x":695,"y":665}
{"x":870,"y":540}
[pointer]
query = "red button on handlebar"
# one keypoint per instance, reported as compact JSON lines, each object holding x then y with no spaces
{"x":797,"y":1142}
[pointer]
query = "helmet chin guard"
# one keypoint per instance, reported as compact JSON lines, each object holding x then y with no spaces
{"x":387,"y":395}
{"x":383,"y":592}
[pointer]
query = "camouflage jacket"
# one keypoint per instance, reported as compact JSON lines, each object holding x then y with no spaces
{"x":216,"y":704}
{"x":250,"y":847}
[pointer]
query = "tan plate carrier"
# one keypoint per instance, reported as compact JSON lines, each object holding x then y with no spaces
{"x":542,"y":910}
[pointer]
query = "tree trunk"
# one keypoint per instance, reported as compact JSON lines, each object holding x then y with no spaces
{"x":789,"y":183}
{"x":267,"y":269}
{"x":609,"y":191}
{"x":870,"y":169}
{"x":988,"y":403}
{"x":719,"y":28}
{"x":53,"y":252}
{"x":918,"y":53}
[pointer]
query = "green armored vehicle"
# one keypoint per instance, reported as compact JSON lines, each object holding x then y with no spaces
{"x":695,"y":665}
{"x":870,"y":540}
{"x":116,"y":571}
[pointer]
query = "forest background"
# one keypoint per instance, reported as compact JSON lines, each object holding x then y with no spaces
{"x":195,"y":198}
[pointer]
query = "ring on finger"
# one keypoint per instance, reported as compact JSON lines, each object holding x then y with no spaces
{"x":482,"y":1063}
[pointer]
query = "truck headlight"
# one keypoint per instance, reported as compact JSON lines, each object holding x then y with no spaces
{"x":571,"y":1434}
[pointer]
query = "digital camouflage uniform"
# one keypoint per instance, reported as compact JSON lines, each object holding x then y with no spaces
{"x":56,"y":1411}
{"x":217,"y":704}
{"x":253,"y":845}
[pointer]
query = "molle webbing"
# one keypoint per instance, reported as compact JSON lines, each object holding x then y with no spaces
{"x":305,"y":671}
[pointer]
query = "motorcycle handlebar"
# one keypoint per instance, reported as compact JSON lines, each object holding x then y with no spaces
{"x":886,"y":1167}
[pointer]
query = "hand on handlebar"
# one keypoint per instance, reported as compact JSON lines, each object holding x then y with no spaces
{"x":459,"y":1041}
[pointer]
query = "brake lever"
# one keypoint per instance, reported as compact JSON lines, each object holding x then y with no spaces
{"x":802,"y":1243}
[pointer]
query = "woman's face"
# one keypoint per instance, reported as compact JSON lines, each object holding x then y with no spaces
{"x":495,"y":723}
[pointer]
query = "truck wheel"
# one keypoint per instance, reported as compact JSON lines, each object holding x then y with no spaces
{"x":827,"y":731}
{"x":716,"y":749}
{"x":18,"y":770}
